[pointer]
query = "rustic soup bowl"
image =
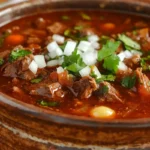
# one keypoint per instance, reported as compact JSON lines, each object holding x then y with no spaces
{"x":27,"y":127}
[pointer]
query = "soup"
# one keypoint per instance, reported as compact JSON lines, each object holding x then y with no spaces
{"x":85,"y":63}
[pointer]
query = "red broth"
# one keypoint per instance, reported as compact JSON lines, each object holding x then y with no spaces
{"x":121,"y":84}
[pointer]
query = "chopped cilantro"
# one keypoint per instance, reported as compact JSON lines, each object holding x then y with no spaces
{"x":78,"y":27}
{"x":67,"y":32}
{"x":1,"y":61}
{"x":73,"y":63}
{"x":48,"y":103}
{"x":108,"y":49}
{"x":128,"y":42}
{"x":109,"y":77}
{"x":93,"y":75}
{"x":102,"y":90}
{"x":129,"y":81}
{"x":143,"y":62}
{"x":85,"y":16}
{"x":111,"y":63}
{"x":36,"y":80}
{"x":65,"y":17}
{"x":15,"y":54}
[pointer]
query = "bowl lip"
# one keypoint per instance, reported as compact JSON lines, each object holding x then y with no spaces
{"x":58,"y":117}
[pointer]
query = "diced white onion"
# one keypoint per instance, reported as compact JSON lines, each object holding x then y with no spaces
{"x":33,"y":67}
{"x":40,"y":61}
{"x":69,"y":48}
{"x":85,"y":71}
{"x":60,"y":70}
{"x":59,"y":52}
{"x":95,"y":45}
{"x":96,"y":72}
{"x":122,"y":66}
{"x":58,"y":38}
{"x":89,"y":57}
{"x":60,"y":60}
{"x":52,"y":54}
{"x":52,"y":63}
{"x":93,"y":38}
{"x":52,"y":46}
{"x":128,"y":54}
{"x":84,"y":46}
{"x":121,"y":56}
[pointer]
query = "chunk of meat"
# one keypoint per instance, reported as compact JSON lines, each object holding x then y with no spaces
{"x":56,"y":90}
{"x":84,"y":87}
{"x":56,"y":28}
{"x":143,"y":85}
{"x":111,"y":95}
{"x":4,"y":54}
{"x":34,"y":40}
{"x":134,"y":60}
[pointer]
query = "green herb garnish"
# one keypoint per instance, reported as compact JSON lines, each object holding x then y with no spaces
{"x":102,"y":90}
{"x":36,"y":80}
{"x":65,"y":17}
{"x":108,"y":49}
{"x":85,"y":16}
{"x":48,"y":103}
{"x":143,"y":62}
{"x":73,"y":63}
{"x":111,"y":63}
{"x":109,"y":77}
{"x":2,"y":38}
{"x":128,"y":42}
{"x":1,"y":61}
{"x":15,"y":54}
{"x":78,"y":27}
{"x":129,"y":81}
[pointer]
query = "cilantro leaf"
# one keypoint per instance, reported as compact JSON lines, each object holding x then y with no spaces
{"x":65,"y":17}
{"x":36,"y":80}
{"x":128,"y":81}
{"x":109,"y":77}
{"x":108,"y":49}
{"x":78,"y":27}
{"x":17,"y":54}
{"x":143,"y":62}
{"x":74,"y":62}
{"x":111,"y":63}
{"x":102,"y":90}
{"x":48,"y":103}
{"x":85,"y":16}
{"x":1,"y":61}
{"x":128,"y":42}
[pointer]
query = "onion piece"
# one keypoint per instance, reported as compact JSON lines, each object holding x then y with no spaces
{"x":121,"y":56}
{"x":84,"y":46}
{"x":93,"y":38}
{"x":122,"y":66}
{"x":128,"y":54}
{"x":33,"y":67}
{"x":96,"y":71}
{"x":40,"y":61}
{"x":52,"y":63}
{"x":136,"y":52}
{"x":89,"y":57}
{"x":59,"y":52}
{"x":69,"y":48}
{"x":58,"y":38}
{"x":52,"y":46}
{"x":95,"y":45}
{"x":60,"y":60}
{"x":60,"y":70}
{"x":85,"y":71}
{"x":52,"y":54}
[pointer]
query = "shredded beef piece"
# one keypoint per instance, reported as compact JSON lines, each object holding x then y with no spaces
{"x":111,"y":95}
{"x":34,"y":40}
{"x":143,"y":83}
{"x":56,"y":90}
{"x":84,"y":87}
{"x":56,"y":28}
{"x":4,"y":54}
{"x":134,"y":60}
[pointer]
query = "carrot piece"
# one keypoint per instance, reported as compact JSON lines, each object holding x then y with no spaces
{"x":14,"y":39}
{"x":108,"y":26}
